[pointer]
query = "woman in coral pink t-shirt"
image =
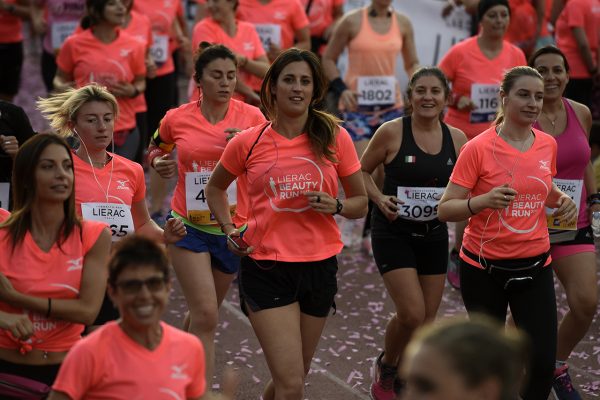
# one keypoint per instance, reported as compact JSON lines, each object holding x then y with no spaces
{"x":139,"y":354}
{"x":501,"y":183}
{"x":103,"y":53}
{"x":57,"y":285}
{"x":292,"y":166}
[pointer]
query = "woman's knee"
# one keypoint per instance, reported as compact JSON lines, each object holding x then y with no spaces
{"x":289,"y":387}
{"x":204,"y":319}
{"x":410,"y":319}
{"x":583,"y":305}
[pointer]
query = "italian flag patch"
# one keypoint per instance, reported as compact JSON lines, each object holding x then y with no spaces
{"x":410,"y":159}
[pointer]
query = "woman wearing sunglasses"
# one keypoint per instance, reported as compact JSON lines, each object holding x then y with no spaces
{"x":101,"y":365}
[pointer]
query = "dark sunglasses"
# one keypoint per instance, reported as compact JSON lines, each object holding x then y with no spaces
{"x":133,"y":286}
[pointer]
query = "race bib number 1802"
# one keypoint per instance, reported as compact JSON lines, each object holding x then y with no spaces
{"x":376,"y":90}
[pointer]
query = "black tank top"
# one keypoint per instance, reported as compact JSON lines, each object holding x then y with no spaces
{"x":412,"y":167}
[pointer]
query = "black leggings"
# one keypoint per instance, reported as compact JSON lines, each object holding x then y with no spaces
{"x":41,"y":373}
{"x":49,"y":68}
{"x":160,"y":98}
{"x":533,"y":310}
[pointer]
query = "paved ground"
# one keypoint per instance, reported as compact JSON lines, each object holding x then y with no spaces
{"x":352,"y":337}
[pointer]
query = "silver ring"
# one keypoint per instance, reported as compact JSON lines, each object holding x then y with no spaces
{"x":7,"y":142}
{"x":318,"y":199}
{"x":505,"y":198}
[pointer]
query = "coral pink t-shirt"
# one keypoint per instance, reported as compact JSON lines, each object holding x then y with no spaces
{"x":520,"y":230}
{"x":120,"y":182}
{"x":474,"y":75}
{"x":281,"y":224}
{"x":140,"y":28}
{"x":55,"y":274}
{"x":245,"y":42}
{"x":3,"y":214}
{"x":108,"y":364}
{"x":276,"y":21}
{"x":162,"y":14}
{"x":577,"y":14}
{"x":199,"y":147}
{"x":320,"y":15}
{"x":90,"y":60}
{"x":11,"y":26}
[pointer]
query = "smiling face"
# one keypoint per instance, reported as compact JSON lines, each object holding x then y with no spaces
{"x":218,"y":80}
{"x":523,"y":103}
{"x":114,"y":12}
{"x":54,"y":175}
{"x":140,"y":307}
{"x":428,"y":97}
{"x":293,"y":90}
{"x":221,"y":9}
{"x":94,"y":124}
{"x":495,"y":21}
{"x":552,"y":68}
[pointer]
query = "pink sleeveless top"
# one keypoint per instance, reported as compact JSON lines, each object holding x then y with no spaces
{"x":374,"y":54}
{"x":573,"y":156}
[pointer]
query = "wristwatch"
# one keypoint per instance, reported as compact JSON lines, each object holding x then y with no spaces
{"x":338,"y":206}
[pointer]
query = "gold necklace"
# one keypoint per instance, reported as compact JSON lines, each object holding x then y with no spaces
{"x":553,"y":121}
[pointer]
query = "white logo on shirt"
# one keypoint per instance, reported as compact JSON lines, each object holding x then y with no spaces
{"x":544,"y":165}
{"x":194,"y":166}
{"x":279,"y":15}
{"x":170,"y":392}
{"x":75,"y":264}
{"x":122,"y":184}
{"x":178,"y":372}
{"x":125,"y":52}
{"x":248,"y":46}
{"x":449,"y":162}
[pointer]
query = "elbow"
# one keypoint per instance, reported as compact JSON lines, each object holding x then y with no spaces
{"x":362,"y":207}
{"x":87,"y":316}
{"x":443,"y":215}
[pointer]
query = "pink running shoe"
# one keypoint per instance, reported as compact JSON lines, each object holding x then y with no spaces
{"x":382,"y":387}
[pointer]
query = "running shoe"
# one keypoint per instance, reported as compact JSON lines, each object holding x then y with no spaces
{"x":562,"y":388}
{"x":453,"y":268}
{"x":382,"y":387}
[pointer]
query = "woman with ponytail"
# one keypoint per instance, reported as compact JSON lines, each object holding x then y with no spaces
{"x":287,"y":279}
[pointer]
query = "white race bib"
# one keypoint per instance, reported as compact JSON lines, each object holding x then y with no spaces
{"x":573,"y":188}
{"x":195,"y":198}
{"x":269,"y":33}
{"x":4,"y":194}
{"x":117,"y":216}
{"x":486,"y":98}
{"x":61,"y":31}
{"x":376,"y":90}
{"x":420,"y":203}
{"x":160,"y":48}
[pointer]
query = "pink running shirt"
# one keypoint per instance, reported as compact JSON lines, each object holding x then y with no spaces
{"x":520,"y":230}
{"x":281,"y":224}
{"x":55,"y":274}
{"x":108,"y":364}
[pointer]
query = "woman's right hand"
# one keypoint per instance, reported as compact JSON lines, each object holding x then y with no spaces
{"x":165,"y":166}
{"x":464,"y":103}
{"x":19,"y":325}
{"x":234,"y":234}
{"x":499,"y":197}
{"x":349,"y":100}
{"x":388,"y":205}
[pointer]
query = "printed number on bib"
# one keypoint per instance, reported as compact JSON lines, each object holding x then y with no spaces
{"x":486,"y":99}
{"x":117,"y":216}
{"x":195,"y":198}
{"x":61,"y":31}
{"x":376,"y":90}
{"x":420,"y":203}
{"x":160,"y":48}
{"x":269,"y":33}
{"x":574,"y":188}
{"x":4,"y":194}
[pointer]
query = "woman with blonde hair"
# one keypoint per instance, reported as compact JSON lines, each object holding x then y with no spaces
{"x":109,"y":188}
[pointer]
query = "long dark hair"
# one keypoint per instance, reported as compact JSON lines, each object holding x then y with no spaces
{"x":207,"y":53}
{"x":321,"y":127}
{"x":549,"y":50}
{"x":94,"y":13}
{"x":24,"y":189}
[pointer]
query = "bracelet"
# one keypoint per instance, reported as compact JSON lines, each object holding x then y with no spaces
{"x":593,"y":198}
{"x":338,"y":86}
{"x":469,"y":206}
{"x":223,"y":225}
{"x":338,"y":207}
{"x":49,"y":308}
{"x":153,"y":153}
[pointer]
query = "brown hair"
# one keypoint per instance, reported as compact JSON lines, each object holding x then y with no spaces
{"x":321,"y":127}
{"x":24,"y":189}
{"x":136,"y":251}
{"x":421,"y":72}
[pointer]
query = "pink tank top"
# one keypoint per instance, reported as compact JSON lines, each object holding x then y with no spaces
{"x":573,"y":157}
{"x":371,"y":54}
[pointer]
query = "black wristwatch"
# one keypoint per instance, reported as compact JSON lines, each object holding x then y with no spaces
{"x":338,"y":206}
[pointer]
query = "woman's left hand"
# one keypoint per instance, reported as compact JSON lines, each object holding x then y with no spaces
{"x":122,"y":89}
{"x":174,"y":231}
{"x":321,"y":202}
{"x":9,"y":144}
{"x":566,"y":208}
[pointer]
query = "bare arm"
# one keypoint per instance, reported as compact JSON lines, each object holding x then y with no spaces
{"x":63,"y":80}
{"x":353,"y":206}
{"x":409,"y":50}
{"x":584,"y":49}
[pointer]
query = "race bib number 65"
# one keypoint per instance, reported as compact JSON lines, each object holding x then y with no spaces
{"x":117,"y":216}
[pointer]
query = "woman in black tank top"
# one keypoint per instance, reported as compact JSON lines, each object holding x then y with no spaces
{"x":410,"y":244}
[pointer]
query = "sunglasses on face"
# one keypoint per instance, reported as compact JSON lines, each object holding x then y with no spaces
{"x":134,"y":286}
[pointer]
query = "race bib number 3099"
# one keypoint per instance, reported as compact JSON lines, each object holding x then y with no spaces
{"x":420,"y":203}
